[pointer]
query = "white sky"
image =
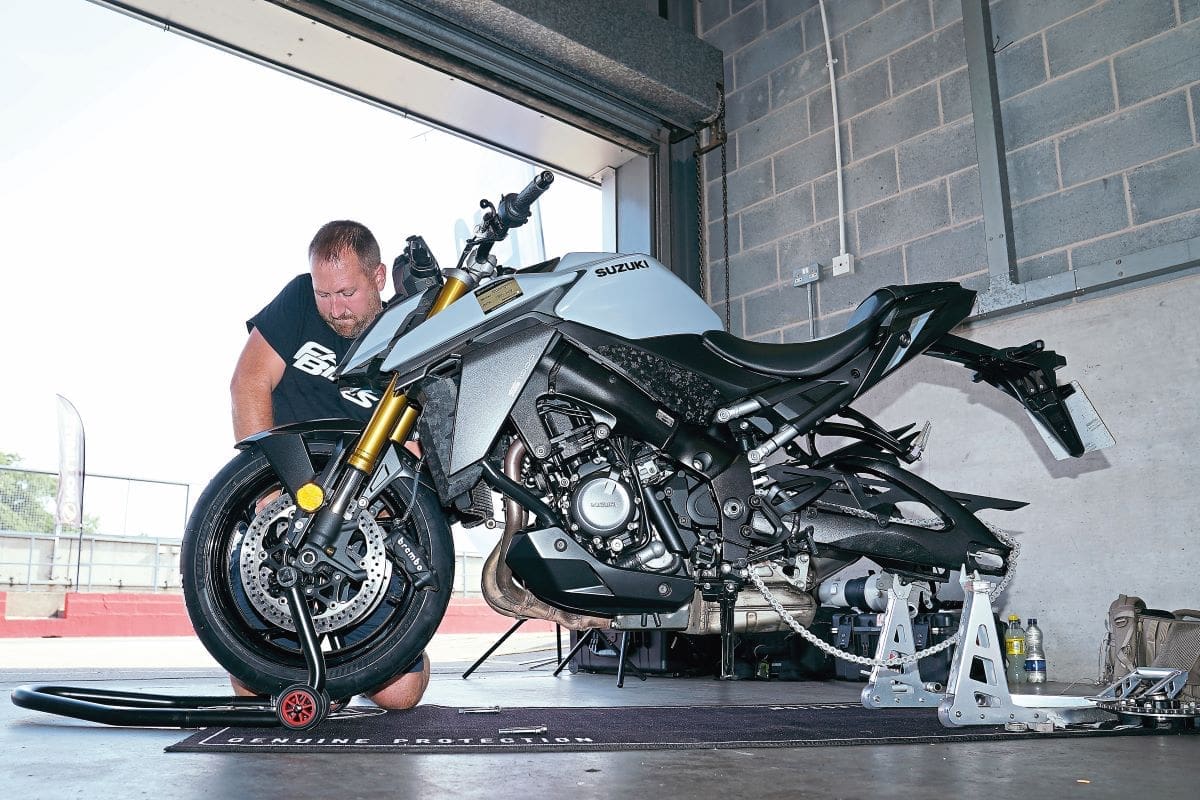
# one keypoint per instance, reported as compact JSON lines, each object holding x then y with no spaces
{"x":156,"y":192}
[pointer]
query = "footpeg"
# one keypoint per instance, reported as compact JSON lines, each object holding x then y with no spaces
{"x":917,"y":449}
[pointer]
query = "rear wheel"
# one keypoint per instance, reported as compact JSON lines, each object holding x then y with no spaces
{"x":371,"y":627}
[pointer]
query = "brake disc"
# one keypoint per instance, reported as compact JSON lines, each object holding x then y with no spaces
{"x":261,"y":555}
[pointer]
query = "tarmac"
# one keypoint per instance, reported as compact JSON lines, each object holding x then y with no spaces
{"x":54,"y":757}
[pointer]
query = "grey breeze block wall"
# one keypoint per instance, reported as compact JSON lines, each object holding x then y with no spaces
{"x":1100,"y":106}
{"x":1100,"y":102}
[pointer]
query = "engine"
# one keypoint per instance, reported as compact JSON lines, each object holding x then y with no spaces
{"x":602,"y":504}
{"x":598,"y":481}
{"x":631,"y":507}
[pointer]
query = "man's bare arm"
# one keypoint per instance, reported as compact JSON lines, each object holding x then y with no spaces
{"x":259,"y":370}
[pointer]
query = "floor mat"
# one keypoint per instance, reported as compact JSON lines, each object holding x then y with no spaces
{"x":443,"y":729}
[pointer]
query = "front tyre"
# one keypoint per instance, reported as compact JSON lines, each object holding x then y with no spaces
{"x":245,"y":628}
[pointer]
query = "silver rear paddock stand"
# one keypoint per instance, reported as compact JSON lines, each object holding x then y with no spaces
{"x":977,"y":692}
{"x":899,"y":686}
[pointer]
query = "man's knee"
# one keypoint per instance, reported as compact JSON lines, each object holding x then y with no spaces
{"x":401,"y":692}
{"x":404,"y":690}
{"x":241,"y":689}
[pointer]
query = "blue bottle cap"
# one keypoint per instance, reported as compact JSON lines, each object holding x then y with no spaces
{"x":1033,"y":620}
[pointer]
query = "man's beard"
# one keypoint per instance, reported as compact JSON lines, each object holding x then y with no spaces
{"x":352,"y":326}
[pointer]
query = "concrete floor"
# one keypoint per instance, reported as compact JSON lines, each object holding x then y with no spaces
{"x":51,"y":757}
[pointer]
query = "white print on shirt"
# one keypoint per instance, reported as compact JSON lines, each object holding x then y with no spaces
{"x":360,"y":397}
{"x":316,"y":359}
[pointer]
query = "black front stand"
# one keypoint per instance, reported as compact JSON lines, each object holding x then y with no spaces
{"x":146,"y":710}
{"x":299,"y":706}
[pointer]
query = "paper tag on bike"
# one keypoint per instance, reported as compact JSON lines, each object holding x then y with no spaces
{"x":1092,"y":431}
{"x":494,"y":295}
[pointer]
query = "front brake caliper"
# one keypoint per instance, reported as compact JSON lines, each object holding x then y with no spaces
{"x":413,"y":560}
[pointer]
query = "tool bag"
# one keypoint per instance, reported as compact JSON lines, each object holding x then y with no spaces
{"x":1147,"y":637}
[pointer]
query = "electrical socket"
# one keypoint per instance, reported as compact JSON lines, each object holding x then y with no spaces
{"x":802,"y":276}
{"x":842,"y":265}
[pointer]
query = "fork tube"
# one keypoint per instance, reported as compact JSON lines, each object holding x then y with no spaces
{"x":404,"y":427}
{"x":452,"y":289}
{"x":394,"y":418}
{"x":383,"y":421}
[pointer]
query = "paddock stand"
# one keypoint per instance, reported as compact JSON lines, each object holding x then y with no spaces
{"x":899,"y":686}
{"x":977,"y":691}
{"x":300,"y":706}
{"x":622,"y":656}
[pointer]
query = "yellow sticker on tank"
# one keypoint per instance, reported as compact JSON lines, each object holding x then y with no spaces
{"x":497,"y":294}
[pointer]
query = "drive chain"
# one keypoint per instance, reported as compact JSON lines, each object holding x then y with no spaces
{"x":894,"y":661}
{"x":826,"y":647}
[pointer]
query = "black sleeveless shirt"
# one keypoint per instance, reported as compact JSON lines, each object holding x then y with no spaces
{"x":310,"y":350}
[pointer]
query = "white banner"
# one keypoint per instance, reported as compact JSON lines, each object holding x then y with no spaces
{"x":70,"y":465}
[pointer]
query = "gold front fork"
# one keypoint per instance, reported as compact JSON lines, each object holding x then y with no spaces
{"x":394,"y":418}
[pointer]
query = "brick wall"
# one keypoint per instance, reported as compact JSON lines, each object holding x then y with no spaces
{"x":1100,"y":105}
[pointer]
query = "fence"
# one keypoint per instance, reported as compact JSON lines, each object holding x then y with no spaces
{"x":113,"y":505}
{"x":130,"y":538}
{"x":130,"y":542}
{"x":40,"y":562}
{"x":43,"y":562}
{"x":468,"y":570}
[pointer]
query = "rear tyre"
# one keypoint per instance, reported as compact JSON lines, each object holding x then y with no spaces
{"x":361,"y":653}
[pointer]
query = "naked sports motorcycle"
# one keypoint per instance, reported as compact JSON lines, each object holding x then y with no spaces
{"x":657,"y":471}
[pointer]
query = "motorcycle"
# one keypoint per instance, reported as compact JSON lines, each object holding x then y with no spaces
{"x":657,"y":472}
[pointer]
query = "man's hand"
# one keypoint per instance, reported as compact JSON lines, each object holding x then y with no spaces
{"x":259,"y":370}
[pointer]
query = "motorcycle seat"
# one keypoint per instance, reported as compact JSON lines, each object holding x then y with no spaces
{"x":807,"y":359}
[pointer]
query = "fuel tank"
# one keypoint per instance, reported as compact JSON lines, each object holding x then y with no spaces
{"x":633,"y":296}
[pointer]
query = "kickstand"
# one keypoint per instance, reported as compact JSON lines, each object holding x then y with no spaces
{"x":901,"y":685}
{"x":978,"y":692}
{"x":623,"y":658}
{"x":494,"y":647}
{"x":726,"y":604}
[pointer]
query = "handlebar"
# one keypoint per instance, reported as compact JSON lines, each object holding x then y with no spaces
{"x":513,"y":211}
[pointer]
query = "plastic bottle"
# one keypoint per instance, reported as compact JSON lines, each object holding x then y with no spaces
{"x":1035,"y":655}
{"x":1014,"y":650}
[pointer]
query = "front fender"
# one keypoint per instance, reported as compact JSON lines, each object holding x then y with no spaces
{"x":286,"y":448}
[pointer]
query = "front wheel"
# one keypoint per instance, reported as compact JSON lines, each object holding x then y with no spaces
{"x":370,"y":629}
